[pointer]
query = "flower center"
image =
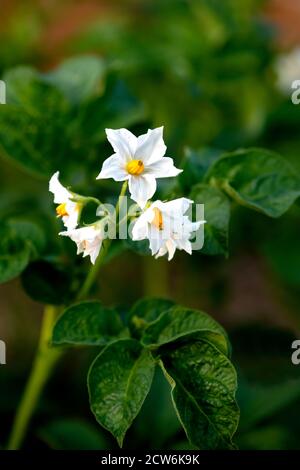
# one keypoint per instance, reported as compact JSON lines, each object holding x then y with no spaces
{"x":158,"y":219}
{"x":135,"y":167}
{"x":61,"y":210}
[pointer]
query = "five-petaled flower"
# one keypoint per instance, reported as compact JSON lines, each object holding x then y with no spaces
{"x":67,"y":209}
{"x":167,"y":227}
{"x":88,"y":240}
{"x":140,"y":160}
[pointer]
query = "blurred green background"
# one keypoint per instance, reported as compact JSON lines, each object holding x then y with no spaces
{"x":208,"y":71}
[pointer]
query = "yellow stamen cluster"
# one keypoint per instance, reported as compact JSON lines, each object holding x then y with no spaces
{"x":61,"y":210}
{"x":158,"y":219}
{"x":135,"y":167}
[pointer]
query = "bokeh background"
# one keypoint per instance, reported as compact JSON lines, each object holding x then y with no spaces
{"x":211,"y":72}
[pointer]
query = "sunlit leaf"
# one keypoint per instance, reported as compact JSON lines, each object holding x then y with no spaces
{"x":78,"y":78}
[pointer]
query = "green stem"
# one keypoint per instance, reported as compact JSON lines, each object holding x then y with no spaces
{"x":47,"y":356}
{"x":44,"y":362}
{"x":122,"y":194}
{"x":93,"y":271}
{"x":105,"y":246}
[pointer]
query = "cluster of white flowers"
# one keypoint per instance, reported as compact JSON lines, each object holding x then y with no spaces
{"x":140,"y":161}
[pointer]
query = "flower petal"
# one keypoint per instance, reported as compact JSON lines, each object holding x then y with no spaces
{"x":113,"y":167}
{"x":177,"y":207}
{"x":142,"y":188}
{"x":123,"y":142}
{"x":161,"y":252}
{"x":70,"y":221}
{"x":61,"y":194}
{"x":176,"y":229}
{"x":140,"y":230}
{"x":88,"y":241}
{"x":171,"y":247}
{"x":185,"y":245}
{"x":150,"y":146}
{"x":94,"y":250}
{"x":196,"y":225}
{"x":156,"y":240}
{"x":163,"y":168}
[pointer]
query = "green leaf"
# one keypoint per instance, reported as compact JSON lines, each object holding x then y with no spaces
{"x":28,"y":231}
{"x":203,"y":383}
{"x":195,"y":165}
{"x":57,"y":120}
{"x":20,"y":85}
{"x":115,"y":108}
{"x":119,"y":381}
{"x":87,"y":323}
{"x":15,"y":253}
{"x":78,"y":78}
{"x":72,"y":434}
{"x":119,"y":106}
{"x":145,"y":311}
{"x":258,"y":179}
{"x":34,"y":123}
{"x":178,"y":322}
{"x":47,"y":283}
{"x":217,"y":216}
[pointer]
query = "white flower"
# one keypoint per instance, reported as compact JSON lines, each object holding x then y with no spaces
{"x":68,"y":210}
{"x":140,"y":160}
{"x":166,"y":227}
{"x":88,"y":240}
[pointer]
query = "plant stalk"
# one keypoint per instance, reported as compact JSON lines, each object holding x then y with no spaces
{"x":47,"y":356}
{"x":105,"y":246}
